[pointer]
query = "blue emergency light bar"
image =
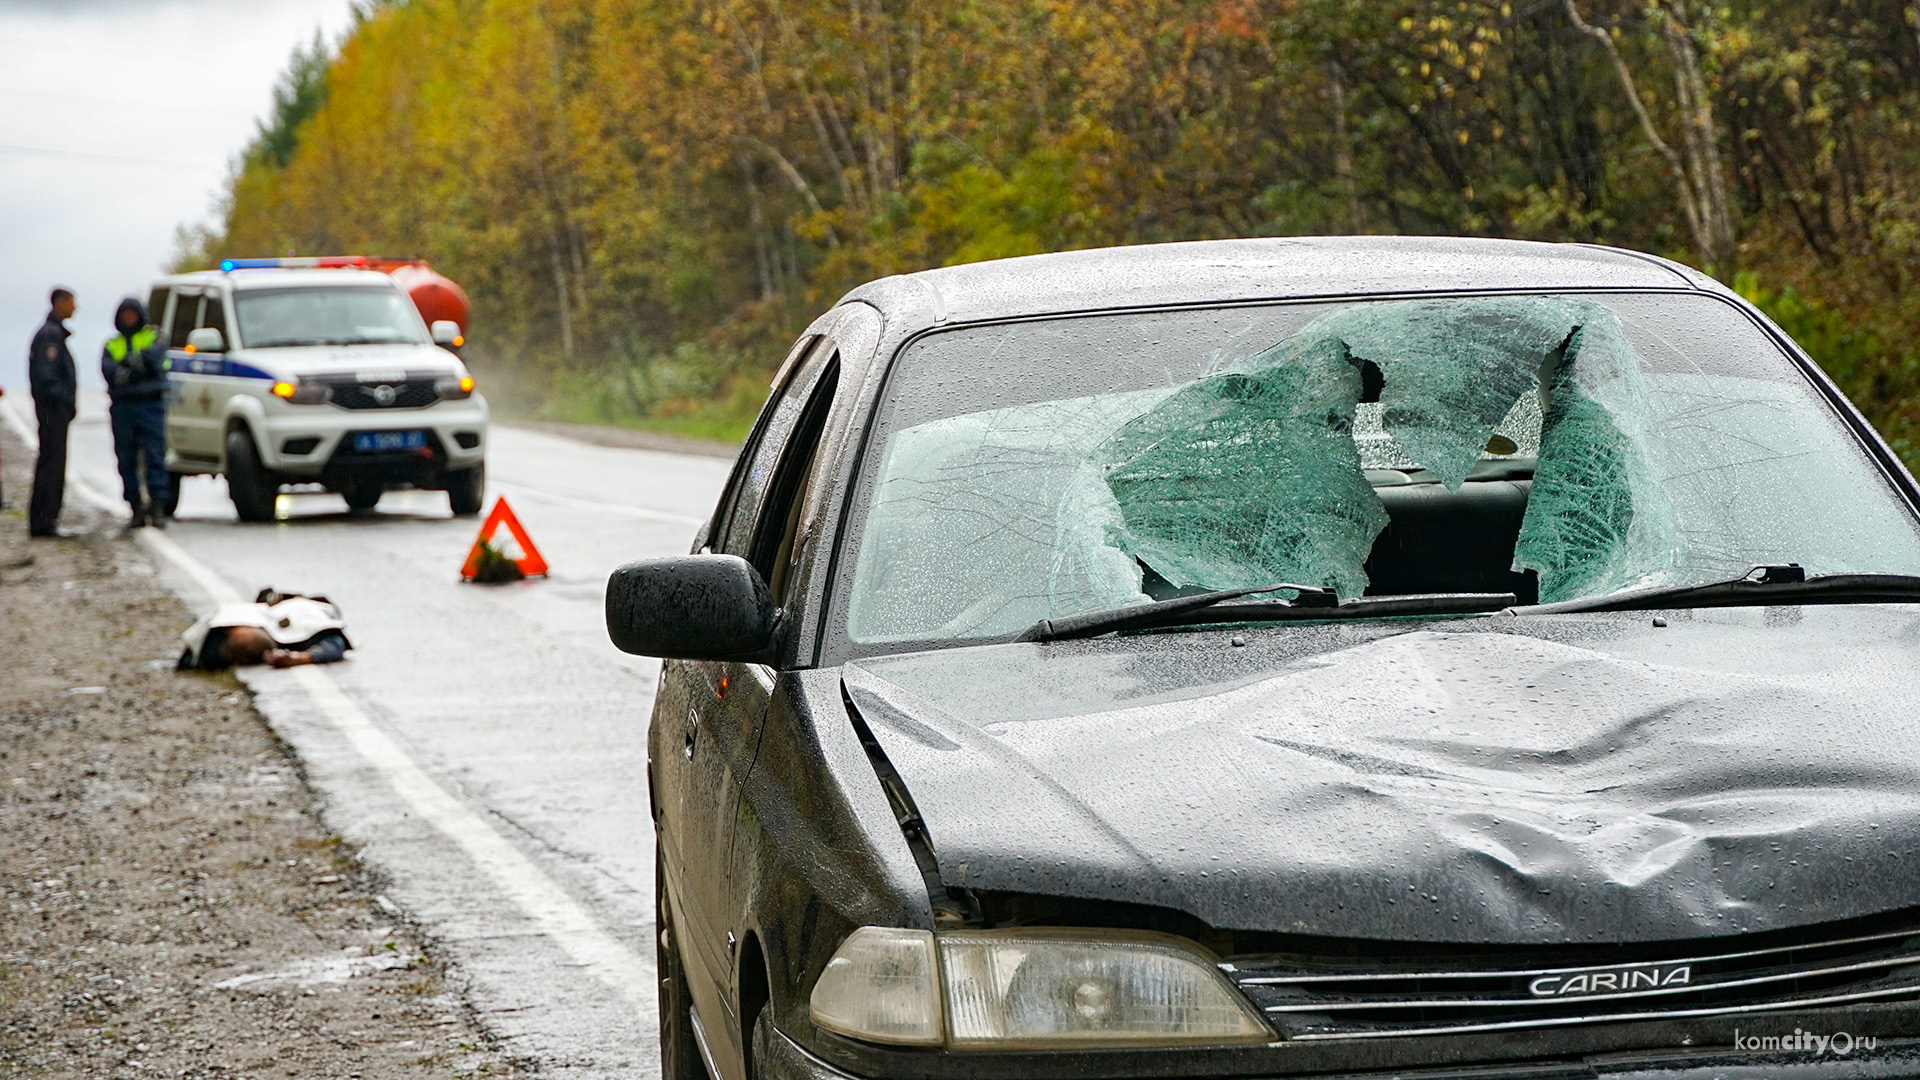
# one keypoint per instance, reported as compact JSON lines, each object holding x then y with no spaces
{"x":310,"y":262}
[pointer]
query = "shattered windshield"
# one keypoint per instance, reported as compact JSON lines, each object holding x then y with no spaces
{"x":1554,"y":447}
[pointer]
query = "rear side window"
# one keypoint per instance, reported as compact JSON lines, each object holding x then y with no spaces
{"x":157,"y":302}
{"x":752,"y":501}
{"x":186,"y":314}
{"x":774,"y":534}
{"x":776,"y":419}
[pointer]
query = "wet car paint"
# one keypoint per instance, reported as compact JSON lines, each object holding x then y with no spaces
{"x":1511,"y":779}
{"x":796,"y":842}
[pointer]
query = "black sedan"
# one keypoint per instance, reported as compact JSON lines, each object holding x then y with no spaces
{"x":1303,"y":656}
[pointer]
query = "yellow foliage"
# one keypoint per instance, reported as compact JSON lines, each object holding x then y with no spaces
{"x":632,"y":189}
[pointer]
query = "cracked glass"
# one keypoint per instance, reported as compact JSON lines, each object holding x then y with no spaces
{"x":1555,"y":447}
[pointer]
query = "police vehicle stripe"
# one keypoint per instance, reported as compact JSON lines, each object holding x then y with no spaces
{"x":186,"y":363}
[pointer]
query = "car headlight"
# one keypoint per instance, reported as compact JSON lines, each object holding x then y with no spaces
{"x":301,"y":392}
{"x":453,"y":387}
{"x":881,"y":986}
{"x":1030,"y":989}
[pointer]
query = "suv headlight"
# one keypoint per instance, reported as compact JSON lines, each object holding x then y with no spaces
{"x":301,"y":392}
{"x":1030,"y":990}
{"x":453,"y":387}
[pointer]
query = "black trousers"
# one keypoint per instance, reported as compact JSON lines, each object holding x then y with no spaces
{"x":49,"y":470}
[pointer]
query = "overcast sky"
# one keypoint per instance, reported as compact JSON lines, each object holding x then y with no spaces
{"x":118,"y":121}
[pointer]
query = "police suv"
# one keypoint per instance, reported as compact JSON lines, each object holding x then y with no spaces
{"x":305,"y":371}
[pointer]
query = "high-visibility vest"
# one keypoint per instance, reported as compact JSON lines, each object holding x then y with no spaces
{"x":143,"y":339}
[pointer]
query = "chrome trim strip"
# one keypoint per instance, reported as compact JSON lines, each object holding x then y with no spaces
{"x":1292,"y":980}
{"x":1693,"y":988}
{"x":700,"y":1040}
{"x":1614,"y":1018}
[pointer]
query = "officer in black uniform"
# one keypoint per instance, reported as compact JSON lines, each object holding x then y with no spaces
{"x":51,"y":374}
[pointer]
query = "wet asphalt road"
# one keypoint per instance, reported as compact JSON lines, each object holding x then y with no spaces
{"x":510,"y":698}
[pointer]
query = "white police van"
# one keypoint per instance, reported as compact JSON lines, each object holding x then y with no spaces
{"x":315,"y":371}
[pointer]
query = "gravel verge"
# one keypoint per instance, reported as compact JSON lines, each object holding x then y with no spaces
{"x":170,"y":904}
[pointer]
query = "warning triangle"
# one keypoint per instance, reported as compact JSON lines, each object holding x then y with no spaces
{"x":527,"y":557}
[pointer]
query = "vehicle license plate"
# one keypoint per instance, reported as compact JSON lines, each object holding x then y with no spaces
{"x":375,"y":441}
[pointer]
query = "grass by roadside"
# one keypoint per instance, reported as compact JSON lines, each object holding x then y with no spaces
{"x":631,"y":438}
{"x":719,"y":414}
{"x":169,"y":903}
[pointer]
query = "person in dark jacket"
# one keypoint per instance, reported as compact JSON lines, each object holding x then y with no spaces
{"x":55,"y":389}
{"x":134,"y":363}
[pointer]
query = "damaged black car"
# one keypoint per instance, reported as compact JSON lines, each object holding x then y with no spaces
{"x":1291,"y":657}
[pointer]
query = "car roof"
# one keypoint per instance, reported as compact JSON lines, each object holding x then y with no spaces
{"x":271,"y":278}
{"x":1278,"y":268}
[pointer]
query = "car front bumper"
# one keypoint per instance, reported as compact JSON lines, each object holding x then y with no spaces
{"x":778,"y":1057}
{"x":314,"y":442}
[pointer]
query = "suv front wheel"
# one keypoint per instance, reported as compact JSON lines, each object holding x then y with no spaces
{"x":252,"y":489}
{"x":466,"y":490}
{"x":362,"y":495}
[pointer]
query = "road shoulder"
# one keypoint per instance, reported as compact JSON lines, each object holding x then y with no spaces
{"x":173,"y":903}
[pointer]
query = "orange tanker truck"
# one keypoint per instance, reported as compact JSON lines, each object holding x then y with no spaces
{"x":437,"y":296}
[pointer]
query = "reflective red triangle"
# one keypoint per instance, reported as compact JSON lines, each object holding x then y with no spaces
{"x":530,"y":563}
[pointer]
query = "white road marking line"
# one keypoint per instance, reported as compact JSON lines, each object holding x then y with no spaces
{"x":557,"y":914}
{"x":162,"y":545}
{"x":539,"y":898}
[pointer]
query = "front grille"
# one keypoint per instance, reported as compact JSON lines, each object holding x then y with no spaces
{"x":412,"y":393}
{"x":1308,"y":1000}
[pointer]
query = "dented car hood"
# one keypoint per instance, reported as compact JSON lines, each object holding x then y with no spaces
{"x":1511,"y":779}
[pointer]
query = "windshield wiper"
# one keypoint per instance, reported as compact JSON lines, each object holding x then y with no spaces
{"x":1786,"y":583}
{"x":1126,"y":618}
{"x":1313,"y":602}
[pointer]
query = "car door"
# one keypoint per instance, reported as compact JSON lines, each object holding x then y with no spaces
{"x":188,"y":382}
{"x":200,"y":426}
{"x":712,"y":711}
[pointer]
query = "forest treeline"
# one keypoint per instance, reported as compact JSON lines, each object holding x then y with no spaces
{"x":648,"y":198}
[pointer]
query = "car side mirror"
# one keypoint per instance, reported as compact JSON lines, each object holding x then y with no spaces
{"x":446,"y":334}
{"x":207,"y":339}
{"x":691,"y":607}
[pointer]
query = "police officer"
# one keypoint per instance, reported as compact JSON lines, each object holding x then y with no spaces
{"x":134,"y":363}
{"x":55,"y":388}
